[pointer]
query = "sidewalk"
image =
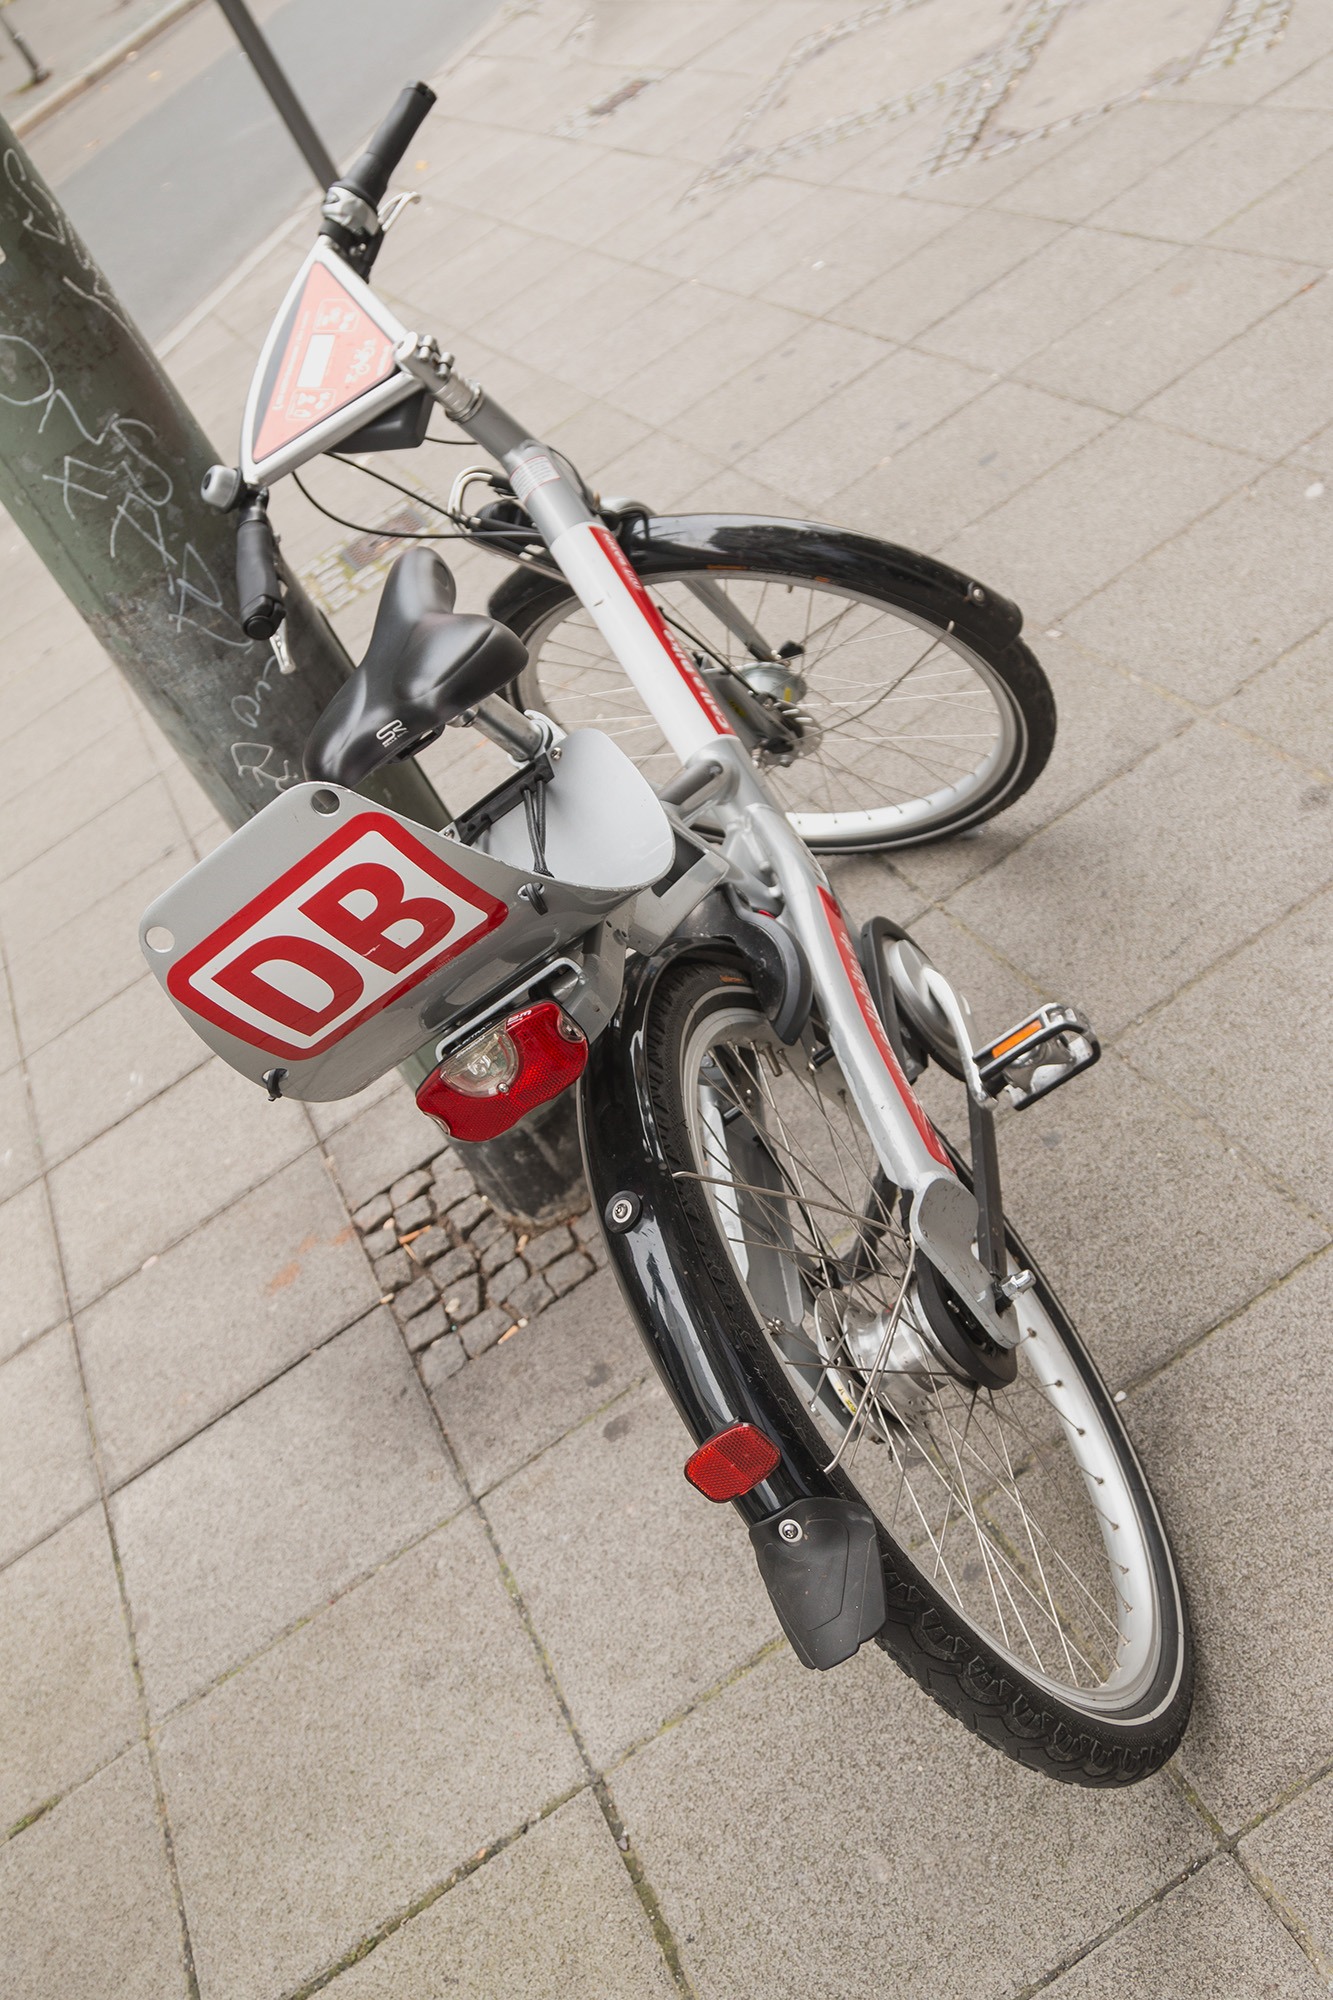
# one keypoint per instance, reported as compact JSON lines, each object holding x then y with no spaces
{"x":348,"y":1646}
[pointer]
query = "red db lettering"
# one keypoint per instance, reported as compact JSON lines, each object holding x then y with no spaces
{"x":368,"y":936}
{"x":244,"y":977}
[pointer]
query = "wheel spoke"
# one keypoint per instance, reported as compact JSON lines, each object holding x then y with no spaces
{"x":904,"y":727}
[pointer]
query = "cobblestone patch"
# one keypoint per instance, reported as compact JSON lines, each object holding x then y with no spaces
{"x":456,"y":1275}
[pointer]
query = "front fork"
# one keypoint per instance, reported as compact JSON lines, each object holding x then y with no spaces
{"x":945,"y":1218}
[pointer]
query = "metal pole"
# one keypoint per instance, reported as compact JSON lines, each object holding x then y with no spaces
{"x":39,"y":71}
{"x":100,"y":466}
{"x":271,"y":74}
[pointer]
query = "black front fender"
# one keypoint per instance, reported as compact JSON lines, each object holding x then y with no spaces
{"x":807,"y":551}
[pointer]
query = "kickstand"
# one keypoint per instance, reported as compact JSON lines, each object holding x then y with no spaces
{"x":986,"y":1187}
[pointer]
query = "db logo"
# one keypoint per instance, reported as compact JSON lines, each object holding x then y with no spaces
{"x":359,"y":921}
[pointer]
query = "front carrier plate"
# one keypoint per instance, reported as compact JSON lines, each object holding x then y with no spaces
{"x":331,"y":938}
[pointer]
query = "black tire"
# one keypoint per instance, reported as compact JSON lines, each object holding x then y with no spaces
{"x":909,"y":780}
{"x":1099,"y":1734}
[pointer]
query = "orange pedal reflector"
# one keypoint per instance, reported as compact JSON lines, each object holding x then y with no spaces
{"x":731,"y":1463}
{"x":1012,"y":1041}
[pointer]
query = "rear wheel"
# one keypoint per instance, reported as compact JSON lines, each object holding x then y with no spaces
{"x":898,"y":729}
{"x":1030,"y":1585}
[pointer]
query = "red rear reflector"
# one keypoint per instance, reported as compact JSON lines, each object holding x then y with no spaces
{"x":732,"y":1462}
{"x":503,"y":1073}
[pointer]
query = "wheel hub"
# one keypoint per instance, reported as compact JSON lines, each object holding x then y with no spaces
{"x":906,"y":1366}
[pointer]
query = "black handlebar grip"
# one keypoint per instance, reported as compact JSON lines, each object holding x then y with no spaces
{"x":369,"y":176}
{"x":257,"y":583}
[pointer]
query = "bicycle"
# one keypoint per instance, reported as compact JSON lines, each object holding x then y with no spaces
{"x":874,"y":1370}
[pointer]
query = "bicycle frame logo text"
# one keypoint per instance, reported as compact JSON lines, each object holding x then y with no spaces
{"x":355,"y":924}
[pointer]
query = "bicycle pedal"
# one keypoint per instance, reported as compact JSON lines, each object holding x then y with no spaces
{"x":1045,"y":1050}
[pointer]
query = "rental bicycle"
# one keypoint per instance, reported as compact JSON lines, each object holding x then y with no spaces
{"x":873,"y":1368}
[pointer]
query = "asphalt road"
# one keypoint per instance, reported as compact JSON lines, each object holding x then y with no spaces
{"x":183,"y":185}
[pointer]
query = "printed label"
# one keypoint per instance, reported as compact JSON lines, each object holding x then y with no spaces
{"x":533,"y":472}
{"x":362,"y":919}
{"x":334,"y":353}
{"x":678,"y":657}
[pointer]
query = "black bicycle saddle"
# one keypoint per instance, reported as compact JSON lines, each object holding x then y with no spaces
{"x":426,"y":663}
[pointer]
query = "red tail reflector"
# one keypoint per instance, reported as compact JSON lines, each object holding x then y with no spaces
{"x":731,"y":1463}
{"x":503,"y":1073}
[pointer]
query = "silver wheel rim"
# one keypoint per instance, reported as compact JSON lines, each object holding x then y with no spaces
{"x":1013,"y":1504}
{"x":911,"y":728}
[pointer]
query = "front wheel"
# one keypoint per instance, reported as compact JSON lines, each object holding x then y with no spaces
{"x":1030,"y":1584}
{"x":907,"y":705}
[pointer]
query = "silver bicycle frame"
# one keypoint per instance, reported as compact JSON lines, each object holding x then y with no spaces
{"x":943,"y":1217}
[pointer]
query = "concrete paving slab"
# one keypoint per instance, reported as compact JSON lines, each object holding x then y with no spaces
{"x":1164,"y":325}
{"x":9,"y":1037}
{"x":1107,"y":720}
{"x":1096,"y":512}
{"x":1050,"y":292}
{"x":1291,"y":1858}
{"x":728,"y":334}
{"x":1107,"y":157}
{"x":117,"y":1058}
{"x":1311,"y":90}
{"x":755,"y":402}
{"x":71,"y":726}
{"x":644,"y":1593}
{"x":938,"y":484}
{"x":68,"y":1702}
{"x":344,"y":1774}
{"x":1213,"y":1932}
{"x":855,"y":430}
{"x":85,"y":1898}
{"x":144,"y":1184}
{"x":1132,"y":1206}
{"x":53,"y":655}
{"x":33,"y":1296}
{"x":82,"y":785}
{"x":1222,"y":173}
{"x":20,"y":1156}
{"x":46,"y":1466}
{"x":553,"y":1914}
{"x":847,"y":260}
{"x":88,"y":864}
{"x":1291,"y":704}
{"x":1213,"y":607}
{"x":1290,"y":222}
{"x":1257,"y":393}
{"x":938,"y":278}
{"x":873,"y":1881}
{"x":514,"y":1401}
{"x":225,"y":1310}
{"x":1235,"y":1438}
{"x":277,"y":1507}
{"x":88,"y":958}
{"x":1205,"y":839}
{"x":1202,"y":1045}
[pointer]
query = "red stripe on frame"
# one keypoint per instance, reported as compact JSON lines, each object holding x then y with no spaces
{"x":680,"y":660}
{"x":852,"y":967}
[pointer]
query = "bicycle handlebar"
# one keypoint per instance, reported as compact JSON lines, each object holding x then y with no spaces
{"x":257,"y":583}
{"x":369,"y":175}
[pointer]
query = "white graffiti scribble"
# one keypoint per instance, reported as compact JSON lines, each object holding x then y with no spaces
{"x":111,"y":470}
